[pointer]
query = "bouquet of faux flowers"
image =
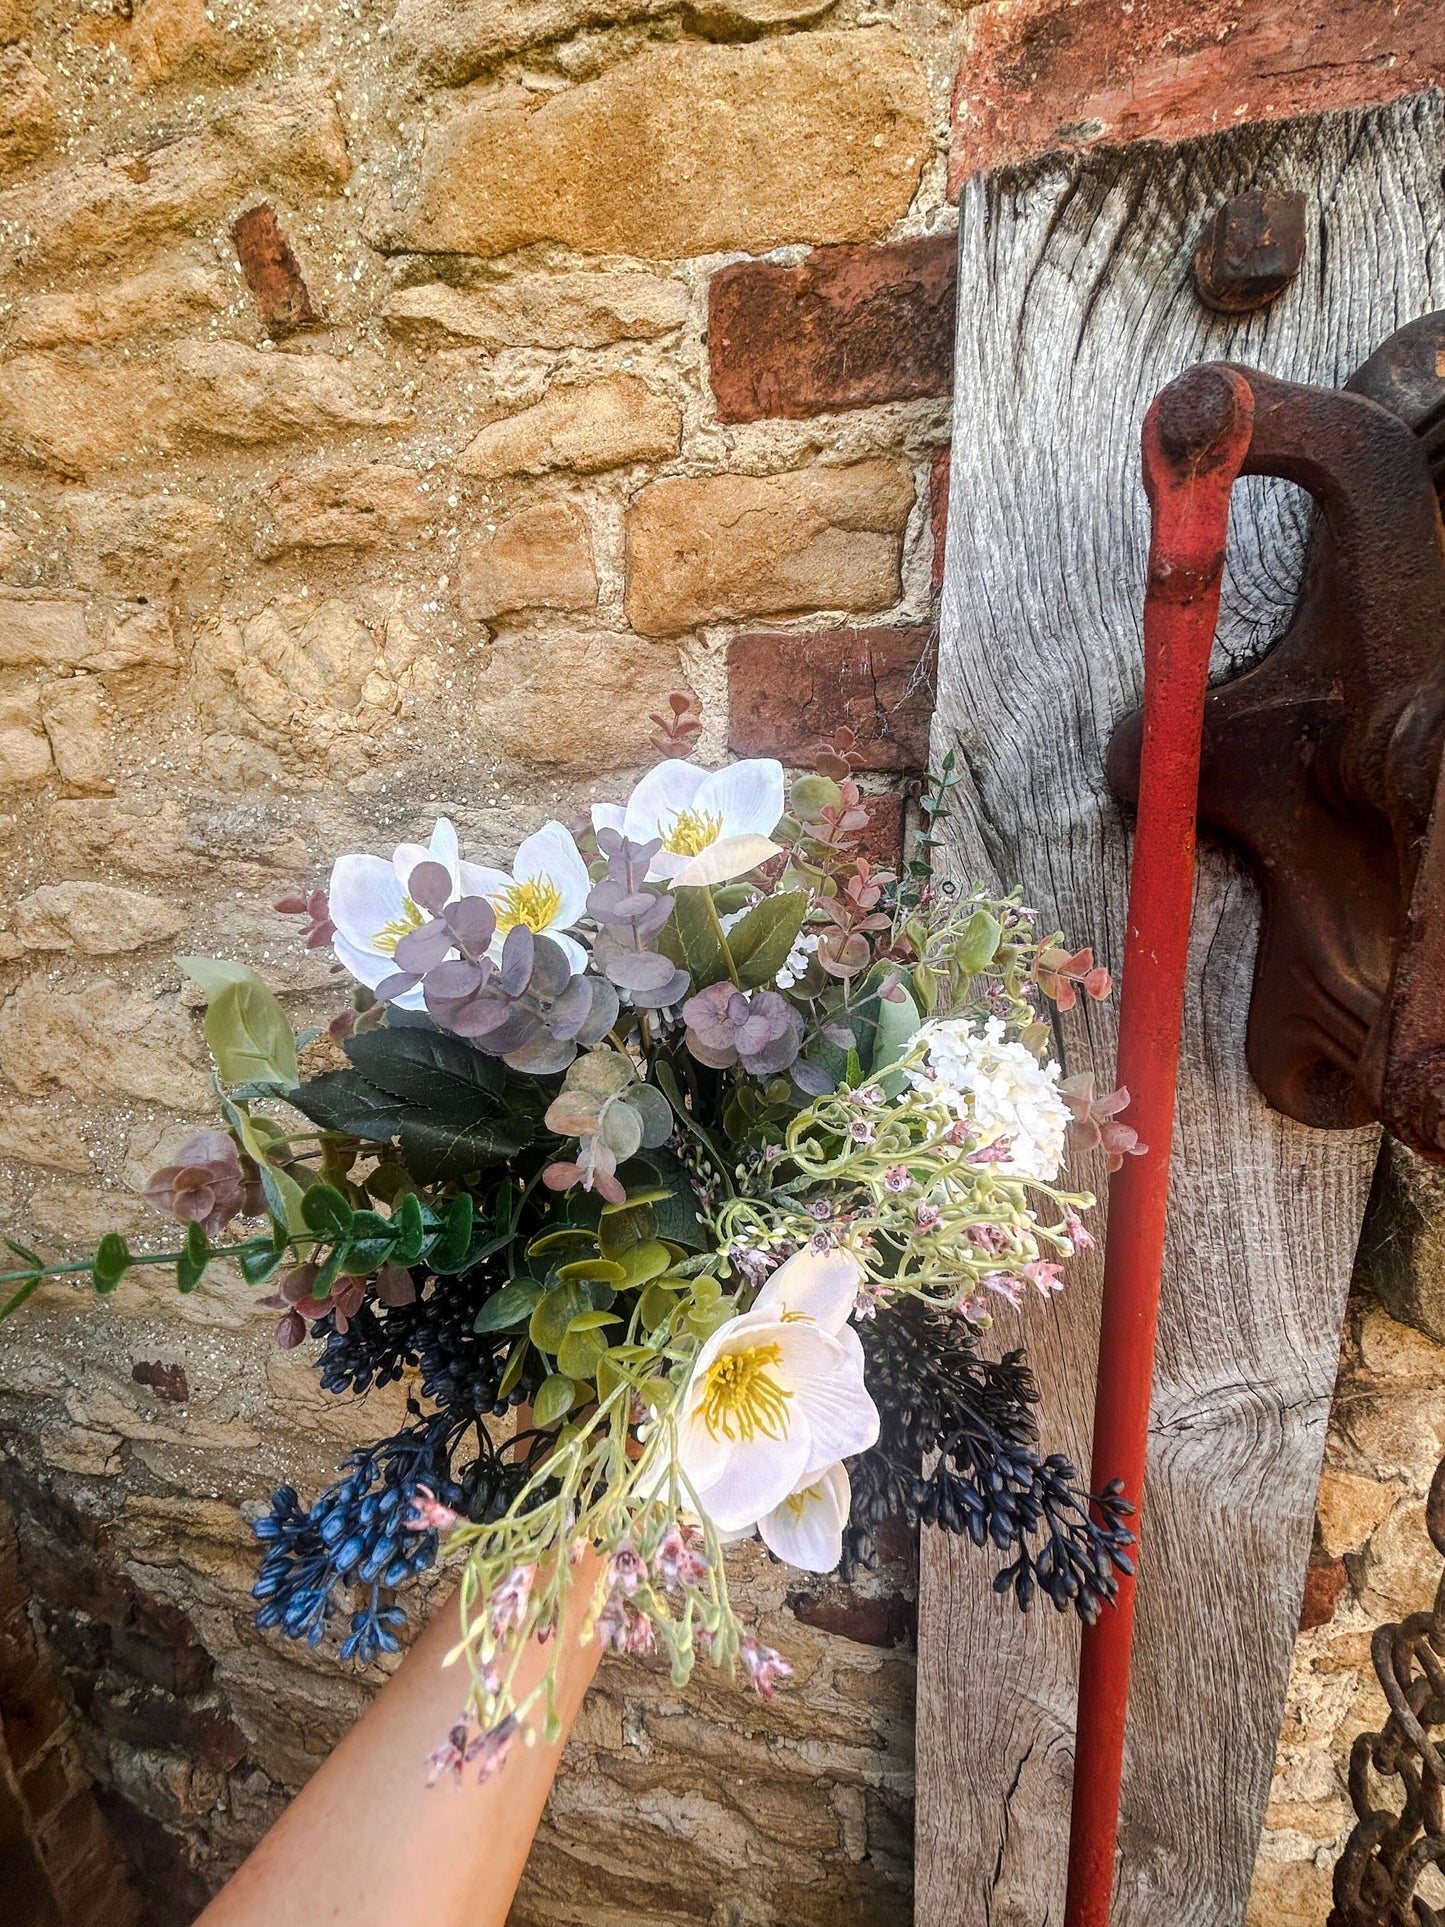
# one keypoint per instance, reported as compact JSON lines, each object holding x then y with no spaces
{"x":676,"y":1169}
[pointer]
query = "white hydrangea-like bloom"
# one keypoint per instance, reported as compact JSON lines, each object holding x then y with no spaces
{"x":1000,"y":1088}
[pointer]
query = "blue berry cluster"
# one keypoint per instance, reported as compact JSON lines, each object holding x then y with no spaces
{"x":355,"y":1535}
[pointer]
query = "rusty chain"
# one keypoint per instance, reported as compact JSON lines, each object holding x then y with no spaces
{"x":1378,"y":1876}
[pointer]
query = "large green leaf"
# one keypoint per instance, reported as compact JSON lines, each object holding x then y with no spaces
{"x":895,"y":1030}
{"x":249,"y":1035}
{"x":435,"y":1095}
{"x":112,"y":1262}
{"x":508,"y":1307}
{"x":760,"y":943}
{"x":693,"y":939}
{"x":212,"y":975}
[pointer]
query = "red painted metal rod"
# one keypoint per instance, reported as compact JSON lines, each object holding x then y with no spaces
{"x":1196,"y":437}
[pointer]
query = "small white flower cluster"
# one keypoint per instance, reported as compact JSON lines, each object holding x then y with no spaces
{"x":796,"y":962}
{"x":1001,"y":1088}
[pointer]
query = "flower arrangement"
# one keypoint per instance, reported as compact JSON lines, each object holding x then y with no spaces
{"x":675,"y":1168}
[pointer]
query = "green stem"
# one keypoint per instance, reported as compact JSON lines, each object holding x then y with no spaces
{"x":720,"y":933}
{"x":84,"y":1264}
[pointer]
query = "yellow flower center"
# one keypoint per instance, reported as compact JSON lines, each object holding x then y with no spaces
{"x":741,"y":1397}
{"x":391,"y":934}
{"x":534,"y":902}
{"x":798,"y":1502}
{"x":691,"y":831}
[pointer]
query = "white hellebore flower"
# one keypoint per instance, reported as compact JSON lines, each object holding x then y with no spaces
{"x":547,"y":890}
{"x":1001,"y":1088}
{"x":372,"y":911}
{"x":714,"y":824}
{"x":775,"y":1401}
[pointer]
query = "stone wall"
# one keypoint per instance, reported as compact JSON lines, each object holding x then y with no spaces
{"x":397,"y":402}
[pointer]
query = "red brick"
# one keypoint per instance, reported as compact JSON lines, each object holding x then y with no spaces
{"x":938,"y":509}
{"x":272,"y":272}
{"x":1044,"y":74}
{"x":882,"y":841}
{"x":788,"y":692}
{"x":1325,"y":1580}
{"x":849,"y":327}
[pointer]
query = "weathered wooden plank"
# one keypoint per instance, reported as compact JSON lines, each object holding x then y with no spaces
{"x":1075,"y":306}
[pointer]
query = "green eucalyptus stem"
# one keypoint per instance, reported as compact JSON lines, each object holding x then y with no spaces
{"x":720,"y":933}
{"x":33,"y":1276}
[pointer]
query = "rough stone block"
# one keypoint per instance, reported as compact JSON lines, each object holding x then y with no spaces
{"x":582,"y":701}
{"x":75,"y":721}
{"x":728,"y":546}
{"x":74,"y":418}
{"x":538,"y":558}
{"x":1042,"y":74}
{"x":683,"y":150}
{"x":161,"y":297}
{"x":96,"y":918}
{"x":101,"y":210}
{"x":145,"y":542}
{"x":579,"y":310}
{"x":789,"y":692}
{"x":103,"y":1041}
{"x":27,"y":110}
{"x":349,"y":505}
{"x":882,"y":841}
{"x":849,"y":327}
{"x":84,"y":833}
{"x":452,"y":40}
{"x":25,"y":760}
{"x":176,"y":39}
{"x":1402,"y":1245}
{"x":51,"y":632}
{"x":583,"y":426}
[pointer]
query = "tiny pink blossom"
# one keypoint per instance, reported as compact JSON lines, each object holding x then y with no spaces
{"x":680,"y":1559}
{"x":896,"y":1178}
{"x":1077,"y":1232}
{"x":451,"y":1756}
{"x":621,"y":1628}
{"x":957,"y":1132}
{"x":821,"y":1241}
{"x":511,"y":1600}
{"x":861,"y":1131}
{"x":926,"y":1216}
{"x":871,"y":1095}
{"x":1046,"y":1275}
{"x":490,"y":1749}
{"x":627,"y":1570}
{"x":820,"y":1209}
{"x":428,"y":1514}
{"x":1005,"y":1284}
{"x":765,"y":1667}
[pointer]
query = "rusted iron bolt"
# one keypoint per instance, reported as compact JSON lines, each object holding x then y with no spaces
{"x":1250,"y":251}
{"x":1196,"y":412}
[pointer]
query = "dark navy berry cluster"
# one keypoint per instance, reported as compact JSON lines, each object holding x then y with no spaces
{"x":935,"y":1395}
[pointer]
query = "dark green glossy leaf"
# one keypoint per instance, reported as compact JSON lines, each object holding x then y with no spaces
{"x":191,"y":1265}
{"x":453,"y":1246}
{"x":326,"y":1211}
{"x":260,"y":1259}
{"x":112,"y":1262}
{"x":508,"y":1307}
{"x":693,"y":940}
{"x":409,"y":1229}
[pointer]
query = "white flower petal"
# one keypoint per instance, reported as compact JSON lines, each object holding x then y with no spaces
{"x":550,"y":852}
{"x":365,"y":895}
{"x":756,"y":1475}
{"x":748,"y":796}
{"x":664,"y":793}
{"x":576,"y":955}
{"x":720,"y":862}
{"x":608,"y":816}
{"x":806,"y":1530}
{"x":441,"y":849}
{"x":842,"y":1418}
{"x":821,"y":1285}
{"x":481,"y":880}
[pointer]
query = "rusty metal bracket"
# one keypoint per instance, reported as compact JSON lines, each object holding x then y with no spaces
{"x":1322,"y":765}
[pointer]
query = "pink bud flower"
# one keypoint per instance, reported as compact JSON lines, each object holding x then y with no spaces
{"x":489,"y":1750}
{"x":428,"y":1514}
{"x":627,"y":1570}
{"x":1046,"y":1275}
{"x":680,"y":1559}
{"x":1006,"y":1285}
{"x":765,"y":1667}
{"x":861,"y":1131}
{"x":896,"y":1178}
{"x":1077,"y":1233}
{"x":926,"y":1216}
{"x":511,"y":1600}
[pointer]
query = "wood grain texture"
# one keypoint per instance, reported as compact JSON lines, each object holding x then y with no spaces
{"x":1075,"y":307}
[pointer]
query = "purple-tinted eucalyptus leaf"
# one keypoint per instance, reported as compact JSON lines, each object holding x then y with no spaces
{"x":653,"y":919}
{"x":842,"y":1035}
{"x":811,"y":1079}
{"x":518,"y":957}
{"x":572,"y":1008}
{"x":672,"y":992}
{"x":715,"y":1058}
{"x":542,"y":1057}
{"x":422,"y":949}
{"x":606,"y":1008}
{"x":551,"y":968}
{"x":641,"y":970}
{"x":454,"y":981}
{"x":477,"y":1018}
{"x":430,"y":886}
{"x":604,"y":898}
{"x":473,"y":922}
{"x":390,"y":988}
